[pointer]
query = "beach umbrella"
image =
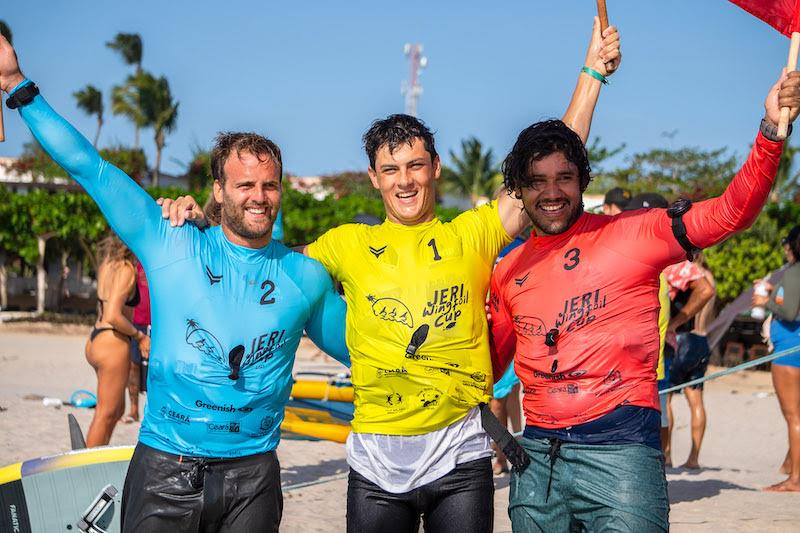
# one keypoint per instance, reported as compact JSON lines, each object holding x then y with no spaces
{"x":784,"y":16}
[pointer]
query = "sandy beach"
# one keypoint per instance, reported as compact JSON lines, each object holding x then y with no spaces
{"x":744,"y":446}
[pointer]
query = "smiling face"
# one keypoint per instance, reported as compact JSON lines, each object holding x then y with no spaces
{"x":250,"y":198}
{"x":552,"y":196}
{"x":406,"y":179}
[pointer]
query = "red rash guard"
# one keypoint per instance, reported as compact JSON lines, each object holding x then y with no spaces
{"x":597,"y":283}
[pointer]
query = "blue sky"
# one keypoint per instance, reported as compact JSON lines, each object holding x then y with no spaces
{"x":313,"y":74}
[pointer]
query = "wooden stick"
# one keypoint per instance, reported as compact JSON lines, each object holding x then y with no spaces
{"x":603,"y":14}
{"x":791,"y":65}
{"x":2,"y":131}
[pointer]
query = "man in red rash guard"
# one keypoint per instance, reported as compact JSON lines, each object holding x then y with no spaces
{"x":577,"y":307}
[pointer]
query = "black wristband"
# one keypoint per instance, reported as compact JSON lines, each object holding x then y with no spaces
{"x":770,"y":130}
{"x":22,"y":96}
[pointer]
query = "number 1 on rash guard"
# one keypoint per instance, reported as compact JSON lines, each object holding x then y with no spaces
{"x":210,"y":299}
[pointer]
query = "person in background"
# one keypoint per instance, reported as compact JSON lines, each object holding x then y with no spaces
{"x":616,"y":200}
{"x":137,"y":380}
{"x":784,"y":303}
{"x":108,"y":347}
{"x":692,"y":292}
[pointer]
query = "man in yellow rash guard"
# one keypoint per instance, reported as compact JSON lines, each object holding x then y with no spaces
{"x":417,"y":332}
{"x":416,"y":327}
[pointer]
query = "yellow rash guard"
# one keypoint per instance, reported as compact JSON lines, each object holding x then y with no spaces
{"x":397,"y":278}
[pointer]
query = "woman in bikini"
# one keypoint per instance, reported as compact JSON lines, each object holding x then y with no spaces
{"x":109,"y":343}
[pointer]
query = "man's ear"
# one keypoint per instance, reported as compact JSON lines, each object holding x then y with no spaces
{"x":218,"y":191}
{"x":373,"y":177}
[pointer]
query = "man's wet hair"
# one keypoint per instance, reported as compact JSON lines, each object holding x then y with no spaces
{"x":394,"y":131}
{"x":228,"y":142}
{"x":539,"y":141}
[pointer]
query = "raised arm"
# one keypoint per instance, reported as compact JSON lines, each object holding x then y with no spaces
{"x":711,"y":221}
{"x":128,"y":208}
{"x":602,"y":59}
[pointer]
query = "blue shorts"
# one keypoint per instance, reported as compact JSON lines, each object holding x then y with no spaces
{"x":593,"y":488}
{"x":509,"y":380}
{"x":785,"y":335}
{"x":690,"y":360}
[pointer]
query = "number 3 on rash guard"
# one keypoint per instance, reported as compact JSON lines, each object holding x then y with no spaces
{"x":597,"y":286}
{"x":209,"y":298}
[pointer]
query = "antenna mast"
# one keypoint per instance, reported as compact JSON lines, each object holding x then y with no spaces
{"x":412,"y":89}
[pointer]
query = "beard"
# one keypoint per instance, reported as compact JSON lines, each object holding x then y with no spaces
{"x":233,"y":217}
{"x":546,"y":226}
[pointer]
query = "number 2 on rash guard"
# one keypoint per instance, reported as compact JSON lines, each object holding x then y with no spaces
{"x":597,"y":285}
{"x":209,"y":297}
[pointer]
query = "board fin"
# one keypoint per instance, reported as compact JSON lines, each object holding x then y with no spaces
{"x":76,"y":439}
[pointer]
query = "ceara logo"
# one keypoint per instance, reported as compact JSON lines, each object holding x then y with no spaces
{"x":175,"y":416}
{"x":227,"y":427}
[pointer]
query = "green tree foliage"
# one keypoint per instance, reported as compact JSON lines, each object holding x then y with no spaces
{"x":35,"y":162}
{"x":147,"y":101}
{"x":125,"y":99}
{"x":198,"y":173}
{"x":351,"y":183}
{"x":129,"y":46}
{"x":160,"y":112}
{"x":689,"y":172}
{"x":745,"y":257}
{"x":474,"y":173}
{"x":787,"y":180}
{"x":90,"y":100}
{"x":132,"y":161}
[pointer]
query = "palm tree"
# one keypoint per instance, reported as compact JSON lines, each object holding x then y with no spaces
{"x":90,"y":100}
{"x":160,"y":112}
{"x":125,"y":98}
{"x":474,"y":173}
{"x":126,"y":101}
{"x":129,"y":45}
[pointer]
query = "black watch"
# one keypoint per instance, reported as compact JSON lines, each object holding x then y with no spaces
{"x":770,"y":130}
{"x":22,"y":96}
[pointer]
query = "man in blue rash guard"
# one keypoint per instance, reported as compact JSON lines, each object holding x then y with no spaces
{"x":231,"y":306}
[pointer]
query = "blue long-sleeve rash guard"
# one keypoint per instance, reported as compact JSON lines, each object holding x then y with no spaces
{"x":208,"y":296}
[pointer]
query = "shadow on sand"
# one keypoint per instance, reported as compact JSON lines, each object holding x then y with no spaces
{"x":304,"y":474}
{"x":689,"y":490}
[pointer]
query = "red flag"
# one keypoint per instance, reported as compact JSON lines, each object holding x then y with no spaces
{"x":783,"y":15}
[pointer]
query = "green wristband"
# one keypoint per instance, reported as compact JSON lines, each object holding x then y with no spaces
{"x":596,"y":75}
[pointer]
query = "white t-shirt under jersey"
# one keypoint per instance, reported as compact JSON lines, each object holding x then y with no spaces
{"x":400,"y":463}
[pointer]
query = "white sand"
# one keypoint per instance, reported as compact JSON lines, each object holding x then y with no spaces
{"x":745,"y":441}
